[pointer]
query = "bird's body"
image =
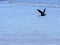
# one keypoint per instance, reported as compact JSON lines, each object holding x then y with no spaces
{"x":42,"y":12}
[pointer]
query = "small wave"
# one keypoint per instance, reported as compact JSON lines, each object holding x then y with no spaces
{"x":48,"y":5}
{"x":42,"y":5}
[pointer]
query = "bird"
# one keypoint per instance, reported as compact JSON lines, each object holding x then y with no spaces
{"x":42,"y":12}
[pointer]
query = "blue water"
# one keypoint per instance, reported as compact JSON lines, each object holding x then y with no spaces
{"x":21,"y":25}
{"x":40,"y":1}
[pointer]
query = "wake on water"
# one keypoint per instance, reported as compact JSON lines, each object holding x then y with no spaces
{"x":40,"y":5}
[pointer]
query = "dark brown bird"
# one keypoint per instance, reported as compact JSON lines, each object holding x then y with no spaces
{"x":42,"y":12}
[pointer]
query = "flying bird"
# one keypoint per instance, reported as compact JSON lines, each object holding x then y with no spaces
{"x":42,"y":12}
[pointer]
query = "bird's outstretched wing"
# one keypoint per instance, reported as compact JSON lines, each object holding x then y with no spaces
{"x":44,"y":10}
{"x":39,"y":11}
